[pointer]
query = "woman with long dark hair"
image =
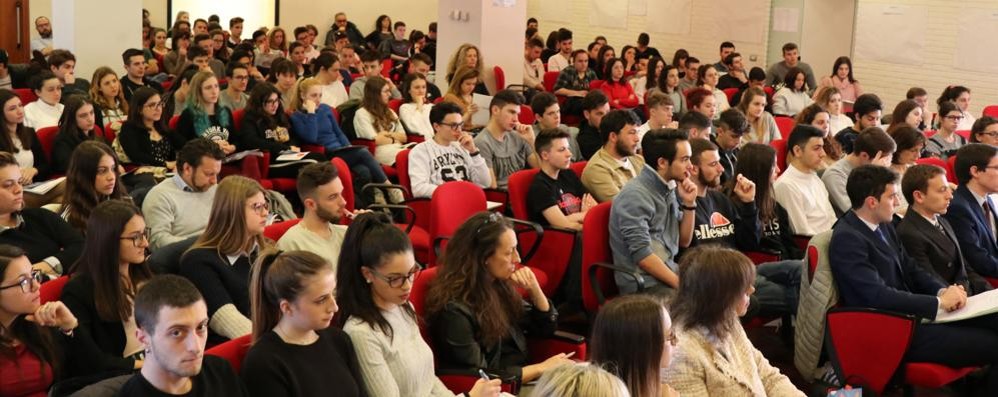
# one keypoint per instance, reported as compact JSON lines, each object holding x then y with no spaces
{"x":382,"y":31}
{"x":110,"y":106}
{"x":634,"y":336}
{"x":668,"y":84}
{"x":92,"y":178}
{"x":476,"y":317}
{"x":907,"y":112}
{"x":960,"y":96}
{"x":415,"y":109}
{"x":104,"y":281}
{"x":679,"y":61}
{"x":605,"y":54}
{"x":793,"y":97}
{"x":266,"y":127}
{"x":376,"y":121}
{"x":45,"y":111}
{"x":707,"y":78}
{"x":77,"y":125}
{"x":374,"y":277}
{"x":326,"y":68}
{"x":144,"y":139}
{"x":757,"y":162}
{"x":618,"y":91}
{"x":22,"y":142}
{"x":841,"y":78}
{"x":946,"y":141}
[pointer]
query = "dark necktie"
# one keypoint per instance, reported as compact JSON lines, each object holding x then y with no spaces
{"x":880,"y":233}
{"x":989,"y":219}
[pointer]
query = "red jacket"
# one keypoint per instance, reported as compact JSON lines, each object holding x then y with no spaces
{"x":621,"y":92}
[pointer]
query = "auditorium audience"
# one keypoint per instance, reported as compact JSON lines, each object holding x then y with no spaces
{"x":506,"y":145}
{"x":972,"y":210}
{"x":265,"y":128}
{"x":547,"y":113}
{"x":178,"y":208}
{"x":921,"y":97}
{"x":799,"y":189}
{"x":696,"y":125}
{"x":946,"y":141}
{"x":616,"y":162}
{"x":92,"y":178}
{"x":176,"y":61}
{"x":467,"y":56}
{"x":634,"y":336}
{"x":451,"y":155}
{"x":689,"y":75}
{"x":909,"y":141}
{"x":371,"y":61}
{"x":175,"y":101}
{"x":872,"y":146}
{"x":204,"y":116}
{"x":736,"y":76}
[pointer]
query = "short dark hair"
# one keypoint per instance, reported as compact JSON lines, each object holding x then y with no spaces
{"x":59,"y":57}
{"x":579,"y":52}
{"x":195,"y":149}
{"x":692,"y":120}
{"x":201,"y":37}
{"x":594,"y":99}
{"x":544,"y":138}
{"x":232,"y":68}
{"x":541,"y":102}
{"x":697,"y":147}
{"x":873,"y":140}
{"x":980,"y":126}
{"x":756,"y":74}
{"x":946,"y":107}
{"x":531,"y":20}
{"x":421,"y":57}
{"x":728,"y":60}
{"x":692,"y":60}
{"x":162,"y":291}
{"x":299,"y":30}
{"x":234,"y":21}
{"x":868,"y":181}
{"x":591,"y":45}
{"x":397,"y":24}
{"x":661,"y":144}
{"x":734,"y":120}
{"x":801,"y":134}
{"x":915,"y":92}
{"x":282,"y":66}
{"x":727,"y":44}
{"x":6,"y":159}
{"x":535,"y":43}
{"x":505,"y":97}
{"x":129,"y":53}
{"x":789,"y":47}
{"x":257,"y":33}
{"x":644,"y":38}
{"x":196,"y":51}
{"x":906,"y":137}
{"x":433,"y":27}
{"x":916,"y":178}
{"x":439,"y":111}
{"x":615,"y":121}
{"x":371,"y":56}
{"x":311,"y":176}
{"x":972,"y":155}
{"x":865,"y":104}
{"x":564,"y":34}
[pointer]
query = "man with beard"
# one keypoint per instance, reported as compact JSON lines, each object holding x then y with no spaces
{"x":172,"y":325}
{"x":43,"y":43}
{"x":616,"y":162}
{"x":321,"y":191}
{"x":722,"y":221}
{"x":177,"y":209}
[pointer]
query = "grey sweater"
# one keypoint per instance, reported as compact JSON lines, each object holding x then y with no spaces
{"x":173,"y":213}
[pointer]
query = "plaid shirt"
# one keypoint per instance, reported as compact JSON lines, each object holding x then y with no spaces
{"x":569,"y":78}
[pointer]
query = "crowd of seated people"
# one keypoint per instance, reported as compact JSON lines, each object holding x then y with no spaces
{"x":159,"y":252}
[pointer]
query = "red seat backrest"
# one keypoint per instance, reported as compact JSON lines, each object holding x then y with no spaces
{"x":578,"y":167}
{"x":173,"y":123}
{"x":990,"y":111}
{"x":500,"y":76}
{"x":964,"y":133}
{"x":417,"y":295}
{"x":550,"y":78}
{"x":786,"y":125}
{"x":233,"y":351}
{"x":395,"y":105}
{"x":452,"y":204}
{"x":596,"y":248}
{"x":730,"y":93}
{"x":344,"y":172}
{"x":951,"y":169}
{"x":519,"y":185}
{"x":275,"y":231}
{"x":862,"y":355}
{"x":526,"y":115}
{"x":386,"y":68}
{"x":781,"y":153}
{"x":46,"y":137}
{"x":237,"y":118}
{"x":596,"y":84}
{"x":52,"y":290}
{"x":402,"y":168}
{"x":27,"y":95}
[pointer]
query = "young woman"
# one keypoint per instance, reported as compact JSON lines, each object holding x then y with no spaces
{"x":296,"y":53}
{"x":31,"y":347}
{"x":946,"y":141}
{"x":76,"y":126}
{"x":221,"y":51}
{"x":467,"y":56}
{"x":643,"y":84}
{"x":793,"y":96}
{"x":44,"y":112}
{"x":143,"y":139}
{"x":382,"y":31}
{"x":757,"y":162}
{"x":910,"y":142}
{"x":295,"y":351}
{"x":278,"y":40}
{"x":907,"y":112}
{"x":476,"y":317}
{"x":159,"y":49}
{"x":841,"y":78}
{"x":580,"y":380}
{"x":762,"y":125}
{"x":374,"y":277}
{"x":266,"y":128}
{"x":461,"y":93}
{"x":104,"y":281}
{"x":219,"y":261}
{"x":415,"y":109}
{"x":629,"y":55}
{"x":204,"y":117}
{"x":326,"y":68}
{"x":817,"y":116}
{"x":668,"y":83}
{"x":706,"y":319}
{"x":91,"y":179}
{"x":175,"y":60}
{"x":605,"y":54}
{"x":617,"y":89}
{"x":633,"y":334}
{"x":110,"y":106}
{"x":830,"y":99}
{"x":707,"y":78}
{"x":21,"y":140}
{"x":376,"y":121}
{"x":959,"y":95}
{"x":985,"y":131}
{"x":175,"y":101}
{"x":679,"y":61}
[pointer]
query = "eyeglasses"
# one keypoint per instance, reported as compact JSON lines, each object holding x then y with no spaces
{"x":397,"y":281}
{"x":138,"y":238}
{"x":260,"y":208}
{"x":456,"y":126}
{"x":991,"y":134}
{"x":954,"y":118}
{"x":271,"y":101}
{"x":27,"y":283}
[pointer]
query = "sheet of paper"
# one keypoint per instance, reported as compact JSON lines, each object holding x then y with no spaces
{"x":977,"y":305}
{"x":891,"y":33}
{"x":481,"y":117}
{"x":669,"y":16}
{"x":491,"y":205}
{"x":786,"y":19}
{"x":291,"y":156}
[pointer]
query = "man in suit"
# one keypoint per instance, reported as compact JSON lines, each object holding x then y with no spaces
{"x":972,"y":212}
{"x":927,"y":236}
{"x":878,"y":273}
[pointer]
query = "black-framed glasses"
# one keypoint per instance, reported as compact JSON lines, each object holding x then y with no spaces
{"x":991,"y":134}
{"x":954,"y":118}
{"x":397,"y":281}
{"x":138,"y":238}
{"x":27,"y":283}
{"x":456,"y":126}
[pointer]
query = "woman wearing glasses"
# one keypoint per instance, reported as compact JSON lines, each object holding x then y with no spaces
{"x":30,"y":346}
{"x":475,"y":314}
{"x":266,"y":128}
{"x":633,"y":334}
{"x":143,"y":139}
{"x":714,"y":356}
{"x":104,"y":281}
{"x":375,"y":275}
{"x":946,"y":141}
{"x":295,"y":350}
{"x":219,"y":261}
{"x":92,"y":178}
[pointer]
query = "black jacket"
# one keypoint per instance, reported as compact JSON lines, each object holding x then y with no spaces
{"x":103,"y":341}
{"x":939,"y":253}
{"x":134,"y":140}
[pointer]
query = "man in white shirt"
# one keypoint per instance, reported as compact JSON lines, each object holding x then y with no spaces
{"x":321,"y":191}
{"x":43,"y":42}
{"x":533,"y":68}
{"x":563,"y":58}
{"x":799,"y":190}
{"x":659,"y":115}
{"x":450,"y":156}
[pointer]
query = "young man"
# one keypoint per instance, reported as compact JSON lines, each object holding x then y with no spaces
{"x":659,"y":115}
{"x":235,"y":32}
{"x":873,"y":146}
{"x":197,"y":56}
{"x":652,"y":216}
{"x":616,"y":162}
{"x":397,"y":47}
{"x":736,"y":76}
{"x":874,"y":271}
{"x":547,"y":114}
{"x":689,"y":80}
{"x":200,"y":27}
{"x":308,"y":52}
{"x":350,"y":61}
{"x":506,"y":145}
{"x":135,"y":73}
{"x":321,"y":191}
{"x":208,"y":45}
{"x":556,"y":196}
{"x":349,"y":29}
{"x":756,"y":78}
{"x":972,"y":211}
{"x":595,"y":105}
{"x":371,"y":61}
{"x":423,"y":64}
{"x":643,"y":50}
{"x":450,"y":156}
{"x":928,"y":236}
{"x":178,"y":207}
{"x":799,"y":190}
{"x":533,"y":68}
{"x":867,"y":112}
{"x":234,"y":96}
{"x":695,"y":125}
{"x":172,"y":325}
{"x":727,"y":48}
{"x":564,"y":57}
{"x":63,"y":64}
{"x":42,"y":43}
{"x":730,"y":128}
{"x":791,"y":59}
{"x":573,"y":82}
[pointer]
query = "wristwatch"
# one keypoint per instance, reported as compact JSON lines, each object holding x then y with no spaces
{"x":688,"y":208}
{"x":475,"y":153}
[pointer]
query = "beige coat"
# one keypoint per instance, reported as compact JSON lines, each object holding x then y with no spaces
{"x":603,"y":176}
{"x":699,"y":369}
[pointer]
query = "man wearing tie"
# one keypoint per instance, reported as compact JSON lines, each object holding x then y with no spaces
{"x":972,"y":212}
{"x":927,"y":236}
{"x":877,"y":273}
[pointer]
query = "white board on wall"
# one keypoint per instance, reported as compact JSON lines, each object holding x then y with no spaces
{"x":741,"y":21}
{"x":891,"y":33}
{"x":976,"y":48}
{"x":255,"y":13}
{"x":669,"y":16}
{"x":608,"y":14}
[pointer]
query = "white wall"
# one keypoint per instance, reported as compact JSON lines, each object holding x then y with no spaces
{"x":39,"y":8}
{"x":84,"y":30}
{"x":827,"y":32}
{"x":417,"y":14}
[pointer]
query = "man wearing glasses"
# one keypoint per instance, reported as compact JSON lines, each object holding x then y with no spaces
{"x":341,"y":24}
{"x":234,"y":96}
{"x":450,"y":156}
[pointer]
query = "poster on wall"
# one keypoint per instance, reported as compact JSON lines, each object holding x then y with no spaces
{"x":608,"y":14}
{"x":976,"y":49}
{"x":741,"y":20}
{"x":890,"y":33}
{"x":669,"y":16}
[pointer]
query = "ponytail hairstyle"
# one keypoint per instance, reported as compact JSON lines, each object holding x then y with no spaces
{"x":950,"y":93}
{"x":370,"y":241}
{"x":325,"y":60}
{"x":279,"y":276}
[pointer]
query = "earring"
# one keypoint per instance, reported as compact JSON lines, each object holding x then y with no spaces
{"x":368,"y":280}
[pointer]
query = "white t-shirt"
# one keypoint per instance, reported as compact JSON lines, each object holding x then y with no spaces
{"x":417,"y":120}
{"x":300,"y":238}
{"x":39,"y":114}
{"x":334,"y":94}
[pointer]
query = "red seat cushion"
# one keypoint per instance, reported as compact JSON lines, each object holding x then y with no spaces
{"x":933,"y":375}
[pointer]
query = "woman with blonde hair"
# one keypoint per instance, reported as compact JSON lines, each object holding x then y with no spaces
{"x":461,"y":92}
{"x":109,"y":98}
{"x":830,"y":99}
{"x":376,"y":121}
{"x":762,"y":125}
{"x":219,"y":261}
{"x":467,"y":56}
{"x":580,"y":380}
{"x":204,"y":117}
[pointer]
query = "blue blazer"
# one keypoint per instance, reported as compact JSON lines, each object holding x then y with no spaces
{"x":976,"y":241}
{"x":879,"y":274}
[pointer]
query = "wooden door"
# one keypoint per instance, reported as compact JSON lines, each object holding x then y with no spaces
{"x":14,"y":34}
